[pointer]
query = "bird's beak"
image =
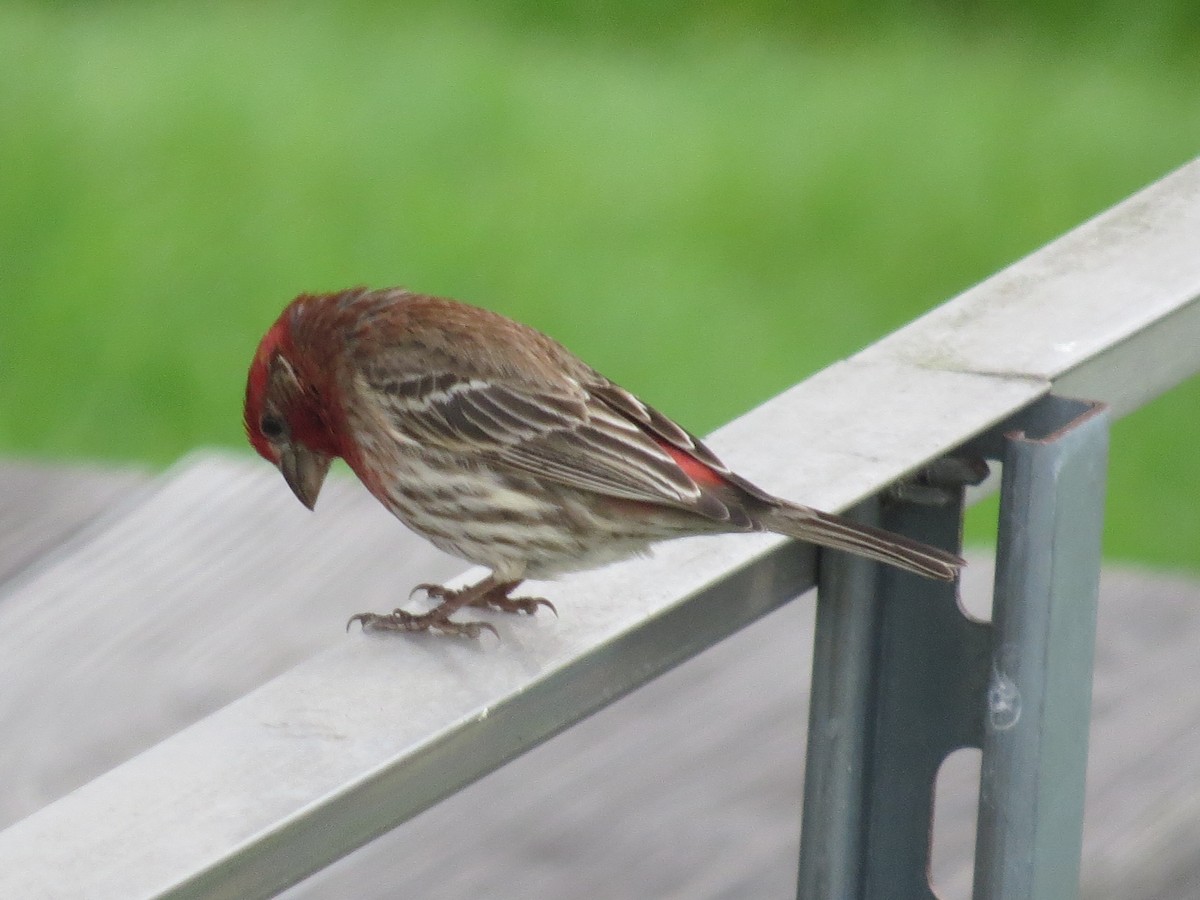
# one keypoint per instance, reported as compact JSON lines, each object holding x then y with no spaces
{"x":304,"y":470}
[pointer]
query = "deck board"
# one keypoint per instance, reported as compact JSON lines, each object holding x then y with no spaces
{"x":41,"y":505}
{"x":214,"y":579}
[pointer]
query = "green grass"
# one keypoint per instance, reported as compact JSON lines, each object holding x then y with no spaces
{"x":706,"y":216}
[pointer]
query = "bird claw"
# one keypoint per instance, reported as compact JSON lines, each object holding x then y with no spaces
{"x":402,"y":621}
{"x":535,"y":602}
{"x":472,"y":629}
{"x":497,"y":598}
{"x":527,"y":605}
{"x":432,"y":591}
{"x":485,"y":595}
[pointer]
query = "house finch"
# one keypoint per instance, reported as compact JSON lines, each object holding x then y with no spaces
{"x":503,"y":448}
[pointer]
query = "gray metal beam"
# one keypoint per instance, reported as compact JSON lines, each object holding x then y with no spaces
{"x":1038,"y":703}
{"x":1108,"y":311}
{"x":899,"y":674}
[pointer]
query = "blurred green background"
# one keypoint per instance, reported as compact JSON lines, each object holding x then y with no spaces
{"x":762,"y":187}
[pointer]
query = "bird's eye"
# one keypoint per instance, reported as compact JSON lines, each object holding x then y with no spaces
{"x":271,"y":427}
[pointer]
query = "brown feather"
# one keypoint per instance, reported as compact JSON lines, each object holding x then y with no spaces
{"x":499,"y":444}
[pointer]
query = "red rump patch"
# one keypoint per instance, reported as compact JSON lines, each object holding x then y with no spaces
{"x":700,"y":473}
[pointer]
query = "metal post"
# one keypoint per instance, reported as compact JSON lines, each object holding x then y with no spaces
{"x":847,"y":626}
{"x":1040,"y":686}
{"x":889,"y":702}
{"x":902,"y":678}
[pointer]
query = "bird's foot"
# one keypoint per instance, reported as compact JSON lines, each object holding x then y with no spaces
{"x":487,"y":594}
{"x":494,"y":597}
{"x":434,"y":620}
{"x":527,"y":605}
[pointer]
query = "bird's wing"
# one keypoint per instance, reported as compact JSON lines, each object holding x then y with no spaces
{"x":596,"y":437}
{"x":688,"y":451}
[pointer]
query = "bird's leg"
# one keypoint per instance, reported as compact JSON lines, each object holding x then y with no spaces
{"x":438,"y":618}
{"x":496,"y":597}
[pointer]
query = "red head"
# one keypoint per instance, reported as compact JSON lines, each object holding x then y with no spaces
{"x":286,"y":413}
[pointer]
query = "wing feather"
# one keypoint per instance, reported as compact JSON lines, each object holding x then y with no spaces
{"x":594,"y":437}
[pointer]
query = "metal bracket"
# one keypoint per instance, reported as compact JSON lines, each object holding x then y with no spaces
{"x":902,"y":678}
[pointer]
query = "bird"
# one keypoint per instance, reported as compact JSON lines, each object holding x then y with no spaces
{"x":502,"y":447}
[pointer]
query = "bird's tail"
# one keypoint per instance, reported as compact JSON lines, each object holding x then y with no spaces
{"x":838,"y":533}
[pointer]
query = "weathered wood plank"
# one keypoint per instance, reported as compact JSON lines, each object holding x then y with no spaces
{"x":689,"y":787}
{"x":41,"y":505}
